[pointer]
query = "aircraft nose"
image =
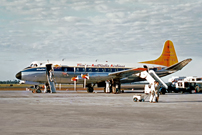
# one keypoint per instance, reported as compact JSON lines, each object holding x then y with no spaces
{"x":18,"y":75}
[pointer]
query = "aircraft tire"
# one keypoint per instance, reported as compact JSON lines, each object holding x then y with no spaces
{"x":135,"y":99}
{"x":90,"y":89}
{"x":38,"y":91}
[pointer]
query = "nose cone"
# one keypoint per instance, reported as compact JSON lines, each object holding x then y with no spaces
{"x":18,"y":75}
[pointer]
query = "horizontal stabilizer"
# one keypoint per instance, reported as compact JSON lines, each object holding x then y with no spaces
{"x":179,"y":65}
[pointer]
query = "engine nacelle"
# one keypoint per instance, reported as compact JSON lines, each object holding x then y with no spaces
{"x":101,"y":84}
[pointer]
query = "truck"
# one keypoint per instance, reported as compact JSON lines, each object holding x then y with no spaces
{"x":185,"y":84}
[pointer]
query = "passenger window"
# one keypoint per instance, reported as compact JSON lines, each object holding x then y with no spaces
{"x":88,"y":69}
{"x":81,"y":69}
{"x":108,"y":69}
{"x":101,"y":69}
{"x":94,"y":69}
{"x":77,"y":69}
{"x":71,"y":69}
{"x":114,"y":69}
{"x":120,"y":69}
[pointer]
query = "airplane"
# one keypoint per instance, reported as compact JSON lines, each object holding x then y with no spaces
{"x":49,"y":73}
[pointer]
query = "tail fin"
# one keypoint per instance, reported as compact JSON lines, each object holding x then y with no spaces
{"x":168,"y":56}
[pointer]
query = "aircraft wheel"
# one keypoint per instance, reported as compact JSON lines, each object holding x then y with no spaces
{"x":38,"y":91}
{"x":90,"y":89}
{"x":135,"y":99}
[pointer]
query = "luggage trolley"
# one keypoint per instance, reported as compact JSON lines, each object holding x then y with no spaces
{"x":142,"y":97}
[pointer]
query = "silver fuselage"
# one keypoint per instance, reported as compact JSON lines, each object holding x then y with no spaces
{"x":96,"y":75}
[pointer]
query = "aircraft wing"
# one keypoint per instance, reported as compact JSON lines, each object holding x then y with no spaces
{"x":126,"y":73}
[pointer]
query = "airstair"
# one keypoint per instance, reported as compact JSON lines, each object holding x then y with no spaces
{"x":157,"y":78}
{"x":151,"y":77}
{"x":50,"y":78}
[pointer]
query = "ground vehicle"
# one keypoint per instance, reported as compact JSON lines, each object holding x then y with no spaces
{"x":197,"y":83}
{"x":185,"y":84}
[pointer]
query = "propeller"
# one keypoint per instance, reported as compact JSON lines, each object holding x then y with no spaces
{"x":74,"y":79}
{"x":85,"y":77}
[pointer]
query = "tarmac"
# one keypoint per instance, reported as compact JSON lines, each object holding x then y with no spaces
{"x":81,"y":113}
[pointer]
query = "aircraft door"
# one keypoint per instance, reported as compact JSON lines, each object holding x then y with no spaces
{"x":48,"y":68}
{"x":50,"y":77}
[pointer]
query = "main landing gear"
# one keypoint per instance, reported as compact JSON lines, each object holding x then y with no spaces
{"x":112,"y":87}
{"x":90,"y":88}
{"x":36,"y":89}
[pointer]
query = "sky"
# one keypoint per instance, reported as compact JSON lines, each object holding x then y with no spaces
{"x":118,"y":31}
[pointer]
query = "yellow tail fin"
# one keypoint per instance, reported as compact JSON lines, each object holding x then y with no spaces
{"x":168,"y":56}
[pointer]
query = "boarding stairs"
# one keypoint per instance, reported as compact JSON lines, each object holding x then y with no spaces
{"x":157,"y":78}
{"x":151,"y":77}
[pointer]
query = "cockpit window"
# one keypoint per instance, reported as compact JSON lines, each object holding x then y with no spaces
{"x":33,"y":65}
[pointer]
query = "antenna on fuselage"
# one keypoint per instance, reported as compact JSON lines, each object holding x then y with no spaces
{"x":63,"y":59}
{"x":96,"y":60}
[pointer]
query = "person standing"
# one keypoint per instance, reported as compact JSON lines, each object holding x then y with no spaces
{"x":107,"y":86}
{"x":154,"y":93}
{"x":152,"y":88}
{"x":51,"y":75}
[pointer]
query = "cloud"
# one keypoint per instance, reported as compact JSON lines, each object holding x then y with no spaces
{"x":44,"y":29}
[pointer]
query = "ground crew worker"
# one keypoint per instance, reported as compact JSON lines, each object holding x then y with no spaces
{"x":151,"y":92}
{"x":51,"y":75}
{"x":107,"y":86}
{"x":46,"y":88}
{"x":154,"y":93}
{"x":117,"y":89}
